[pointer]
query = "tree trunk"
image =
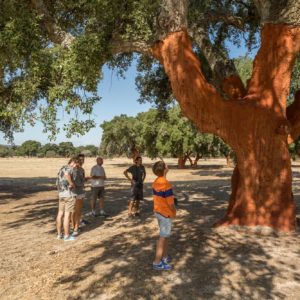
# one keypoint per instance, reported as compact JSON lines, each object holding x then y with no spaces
{"x":261,"y":186}
{"x":255,"y":126}
{"x":189,"y":159}
{"x":195,"y":163}
{"x":181,"y":162}
{"x":228,"y":161}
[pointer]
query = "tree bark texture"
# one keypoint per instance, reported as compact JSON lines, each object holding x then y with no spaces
{"x":254,"y":123}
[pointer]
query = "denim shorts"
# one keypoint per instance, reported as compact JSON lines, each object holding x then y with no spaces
{"x":165,"y":225}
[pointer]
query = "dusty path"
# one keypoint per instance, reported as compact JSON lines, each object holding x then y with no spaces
{"x":112,"y":259}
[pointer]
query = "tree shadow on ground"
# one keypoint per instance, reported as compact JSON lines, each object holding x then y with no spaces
{"x":19,"y":188}
{"x":204,"y":262}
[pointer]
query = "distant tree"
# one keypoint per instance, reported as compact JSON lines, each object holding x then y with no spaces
{"x":49,"y":147}
{"x":120,"y":137}
{"x":4,"y":151}
{"x":29,"y":148}
{"x":66,"y":149}
{"x":87,"y":153}
{"x":50,"y":154}
{"x":92,"y":148}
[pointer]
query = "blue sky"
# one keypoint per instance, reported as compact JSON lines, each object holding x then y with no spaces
{"x":119,"y":96}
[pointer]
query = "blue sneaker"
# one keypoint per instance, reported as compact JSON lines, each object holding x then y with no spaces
{"x":161,"y":266}
{"x":69,"y":238}
{"x":166,"y":260}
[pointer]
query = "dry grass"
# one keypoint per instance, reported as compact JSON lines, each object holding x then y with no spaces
{"x":112,"y":259}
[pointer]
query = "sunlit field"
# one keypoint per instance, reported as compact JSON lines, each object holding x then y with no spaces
{"x":111,"y":258}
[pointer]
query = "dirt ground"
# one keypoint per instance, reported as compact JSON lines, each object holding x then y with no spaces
{"x":111,"y":259}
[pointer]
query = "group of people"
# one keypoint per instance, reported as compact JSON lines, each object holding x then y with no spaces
{"x":71,"y":191}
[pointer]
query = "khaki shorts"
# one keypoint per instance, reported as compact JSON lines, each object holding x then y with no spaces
{"x":67,"y":204}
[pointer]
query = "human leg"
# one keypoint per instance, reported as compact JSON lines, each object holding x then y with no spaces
{"x":59,"y":223}
{"x":130,"y":207}
{"x":165,"y":226}
{"x":69,"y":208}
{"x":93,"y":200}
{"x":160,"y":246}
{"x":67,"y":216}
{"x":77,"y":213}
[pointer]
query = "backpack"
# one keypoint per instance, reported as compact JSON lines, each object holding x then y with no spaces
{"x":61,"y":181}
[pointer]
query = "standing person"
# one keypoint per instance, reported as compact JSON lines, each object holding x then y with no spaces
{"x":138,"y":175}
{"x":65,"y":186}
{"x":98,"y":177}
{"x":164,"y":211}
{"x":79,"y":180}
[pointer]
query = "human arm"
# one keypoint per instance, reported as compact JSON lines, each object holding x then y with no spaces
{"x":70,"y":180}
{"x":127,"y":176}
{"x":144,"y":175}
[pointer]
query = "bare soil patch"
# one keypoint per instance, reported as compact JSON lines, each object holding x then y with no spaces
{"x":111,"y":258}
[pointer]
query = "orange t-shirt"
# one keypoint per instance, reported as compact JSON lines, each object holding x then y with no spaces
{"x":163,"y":197}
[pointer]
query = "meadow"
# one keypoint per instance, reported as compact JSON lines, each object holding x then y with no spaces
{"x":111,"y":259}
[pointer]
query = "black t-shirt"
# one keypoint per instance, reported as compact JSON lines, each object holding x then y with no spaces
{"x":137,"y":172}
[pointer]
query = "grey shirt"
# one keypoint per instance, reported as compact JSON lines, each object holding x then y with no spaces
{"x":79,"y":179}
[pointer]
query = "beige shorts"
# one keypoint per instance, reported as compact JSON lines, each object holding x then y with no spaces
{"x":67,"y":204}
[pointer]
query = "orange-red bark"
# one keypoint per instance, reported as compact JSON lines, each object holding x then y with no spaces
{"x":253,"y":122}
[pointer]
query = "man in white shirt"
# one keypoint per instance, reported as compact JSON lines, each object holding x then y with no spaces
{"x":97,"y":182}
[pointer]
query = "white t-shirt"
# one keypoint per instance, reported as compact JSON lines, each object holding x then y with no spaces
{"x":97,"y":171}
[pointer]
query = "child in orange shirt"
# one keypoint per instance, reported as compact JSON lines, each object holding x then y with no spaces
{"x":164,"y":210}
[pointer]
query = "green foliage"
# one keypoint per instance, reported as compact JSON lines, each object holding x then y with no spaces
{"x":4,"y":151}
{"x":51,"y":154}
{"x":66,"y":149}
{"x":41,"y":79}
{"x":295,"y":82}
{"x":156,"y":135}
{"x":29,"y":148}
{"x":244,"y":65}
{"x":120,"y":136}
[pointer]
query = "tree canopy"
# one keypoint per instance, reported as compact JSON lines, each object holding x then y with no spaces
{"x":52,"y":52}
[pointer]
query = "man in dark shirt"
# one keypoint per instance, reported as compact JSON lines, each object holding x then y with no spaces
{"x":138,"y":175}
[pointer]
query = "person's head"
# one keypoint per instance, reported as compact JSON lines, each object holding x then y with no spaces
{"x":160,"y":169}
{"x":99,"y":161}
{"x":81,"y":158}
{"x":74,"y":162}
{"x":138,"y":160}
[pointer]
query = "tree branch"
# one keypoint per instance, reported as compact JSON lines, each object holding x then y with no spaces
{"x":55,"y":33}
{"x":198,"y":100}
{"x":220,"y":64}
{"x":172,"y":17}
{"x":279,"y":12}
{"x":273,"y":65}
{"x":215,"y":17}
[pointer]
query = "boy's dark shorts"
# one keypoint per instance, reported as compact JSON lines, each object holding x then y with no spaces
{"x":137,"y":192}
{"x":97,"y":192}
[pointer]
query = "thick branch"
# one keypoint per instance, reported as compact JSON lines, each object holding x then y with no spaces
{"x":273,"y":65}
{"x":279,"y":11}
{"x":199,"y":100}
{"x":55,"y":33}
{"x":214,"y":17}
{"x":219,"y":63}
{"x":172,"y":17}
{"x":118,"y":45}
